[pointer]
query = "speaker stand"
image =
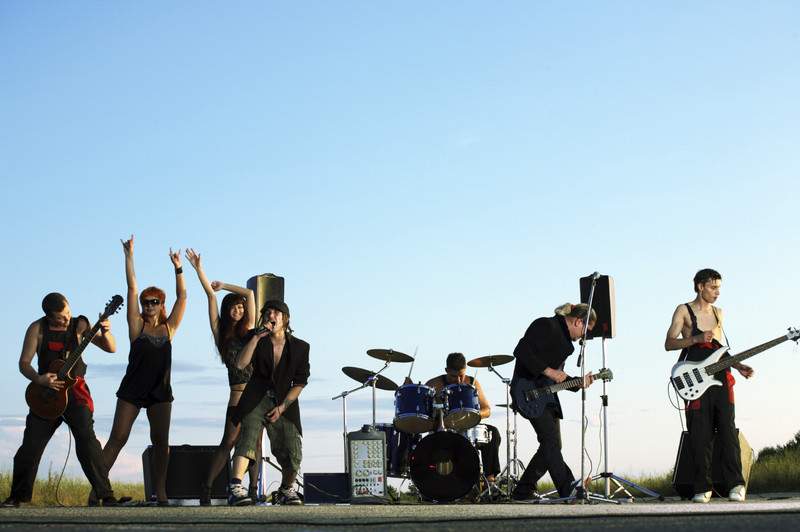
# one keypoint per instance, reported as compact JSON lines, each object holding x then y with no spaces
{"x":620,"y":484}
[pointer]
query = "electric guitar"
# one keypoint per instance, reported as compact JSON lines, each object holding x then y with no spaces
{"x":532,"y":396}
{"x":49,"y":403}
{"x":692,"y":379}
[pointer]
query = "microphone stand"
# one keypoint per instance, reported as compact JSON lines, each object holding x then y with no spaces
{"x":582,"y":495}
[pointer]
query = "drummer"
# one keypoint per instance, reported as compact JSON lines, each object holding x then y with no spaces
{"x":456,"y":373}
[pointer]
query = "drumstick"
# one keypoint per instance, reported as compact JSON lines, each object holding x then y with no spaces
{"x":412,"y":362}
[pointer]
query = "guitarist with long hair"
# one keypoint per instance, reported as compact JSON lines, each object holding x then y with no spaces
{"x":540,"y":355}
{"x":696,"y":330}
{"x":51,"y":338}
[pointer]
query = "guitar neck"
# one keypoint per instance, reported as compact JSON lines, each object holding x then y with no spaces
{"x":75,"y":355}
{"x":569,"y":383}
{"x":727,"y":362}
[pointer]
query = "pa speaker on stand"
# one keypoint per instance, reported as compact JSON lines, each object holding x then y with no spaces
{"x":602,"y":303}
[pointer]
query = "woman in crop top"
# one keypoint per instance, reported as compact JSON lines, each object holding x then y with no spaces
{"x":230,"y":326}
{"x":147,"y":379}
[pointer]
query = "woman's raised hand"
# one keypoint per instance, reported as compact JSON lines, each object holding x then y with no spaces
{"x":217,"y":285}
{"x":175,"y":257}
{"x":193,"y":257}
{"x":127,"y":246}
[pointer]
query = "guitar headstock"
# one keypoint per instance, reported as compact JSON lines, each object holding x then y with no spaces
{"x":112,"y":307}
{"x":793,"y":334}
{"x":604,"y":374}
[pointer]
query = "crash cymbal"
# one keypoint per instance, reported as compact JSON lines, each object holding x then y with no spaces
{"x":501,"y":405}
{"x":490,"y":360}
{"x":361,"y":375}
{"x":389,"y":355}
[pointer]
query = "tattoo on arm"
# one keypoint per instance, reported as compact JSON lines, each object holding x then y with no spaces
{"x":287,"y":403}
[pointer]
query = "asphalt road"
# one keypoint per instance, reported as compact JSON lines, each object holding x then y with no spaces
{"x":775,"y":514}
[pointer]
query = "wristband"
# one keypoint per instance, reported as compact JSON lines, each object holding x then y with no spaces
{"x":179,"y":270}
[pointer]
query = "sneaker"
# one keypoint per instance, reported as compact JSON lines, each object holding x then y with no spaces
{"x":237,"y":495}
{"x":737,"y":494}
{"x":702,"y":497}
{"x":10,"y":502}
{"x":288,"y":496}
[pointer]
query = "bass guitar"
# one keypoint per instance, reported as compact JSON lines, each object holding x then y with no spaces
{"x":49,"y":403}
{"x":532,"y":396}
{"x":692,"y":379}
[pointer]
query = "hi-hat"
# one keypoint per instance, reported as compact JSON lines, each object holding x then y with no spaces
{"x":490,"y":360}
{"x":389,"y":355}
{"x":361,"y":375}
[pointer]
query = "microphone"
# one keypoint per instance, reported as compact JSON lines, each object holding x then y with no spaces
{"x":260,"y":329}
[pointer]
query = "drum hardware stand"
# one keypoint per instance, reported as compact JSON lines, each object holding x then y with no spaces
{"x":581,"y":494}
{"x":514,"y":466}
{"x":510,"y":464}
{"x":608,"y":477}
{"x":371,"y":381}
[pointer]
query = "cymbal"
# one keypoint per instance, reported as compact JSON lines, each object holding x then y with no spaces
{"x":389,"y":355}
{"x":490,"y":360}
{"x":361,"y":375}
{"x":501,"y":405}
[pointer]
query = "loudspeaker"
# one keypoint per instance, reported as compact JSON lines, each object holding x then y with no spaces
{"x":326,"y":488}
{"x":602,"y":303}
{"x":266,"y":287}
{"x":683,"y":474}
{"x":187,"y":470}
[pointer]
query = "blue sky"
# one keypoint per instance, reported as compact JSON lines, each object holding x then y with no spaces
{"x":431,"y":175}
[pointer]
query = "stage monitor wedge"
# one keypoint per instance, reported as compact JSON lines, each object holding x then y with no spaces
{"x":602,"y":303}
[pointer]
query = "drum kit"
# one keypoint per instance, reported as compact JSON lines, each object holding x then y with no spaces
{"x":434,"y":436}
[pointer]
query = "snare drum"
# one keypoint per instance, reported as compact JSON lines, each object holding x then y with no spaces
{"x":413,"y":408}
{"x":463,"y":409}
{"x":479,"y":434}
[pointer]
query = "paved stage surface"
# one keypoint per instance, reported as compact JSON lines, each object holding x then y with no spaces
{"x":776,"y":512}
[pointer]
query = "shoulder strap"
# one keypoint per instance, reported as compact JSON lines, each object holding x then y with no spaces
{"x":724,"y":334}
{"x":692,"y":317}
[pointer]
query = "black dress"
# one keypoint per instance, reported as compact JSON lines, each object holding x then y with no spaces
{"x":147,"y":379}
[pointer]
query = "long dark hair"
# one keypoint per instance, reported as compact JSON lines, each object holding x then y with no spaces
{"x":227,"y":328}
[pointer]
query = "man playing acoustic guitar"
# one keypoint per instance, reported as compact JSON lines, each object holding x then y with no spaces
{"x":696,"y":329}
{"x":51,"y":337}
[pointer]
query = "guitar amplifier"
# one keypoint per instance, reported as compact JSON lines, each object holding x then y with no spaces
{"x":187,"y":470}
{"x":683,"y":475}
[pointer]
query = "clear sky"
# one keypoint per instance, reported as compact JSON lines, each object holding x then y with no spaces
{"x":430,"y":175}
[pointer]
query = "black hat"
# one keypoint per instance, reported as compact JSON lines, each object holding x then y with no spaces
{"x":277,"y":305}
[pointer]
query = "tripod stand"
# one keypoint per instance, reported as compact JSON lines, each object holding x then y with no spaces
{"x":511,"y":471}
{"x":620,"y":484}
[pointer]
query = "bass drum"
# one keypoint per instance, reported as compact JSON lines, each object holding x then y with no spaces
{"x":444,"y":466}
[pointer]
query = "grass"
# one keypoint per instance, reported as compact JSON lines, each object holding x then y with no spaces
{"x":71,"y":492}
{"x":776,"y":470}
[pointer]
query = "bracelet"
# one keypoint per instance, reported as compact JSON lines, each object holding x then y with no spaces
{"x":179,"y":270}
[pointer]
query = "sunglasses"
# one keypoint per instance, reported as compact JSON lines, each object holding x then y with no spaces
{"x":150,"y":302}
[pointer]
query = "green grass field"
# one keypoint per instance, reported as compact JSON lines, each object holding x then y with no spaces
{"x":776,"y":470}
